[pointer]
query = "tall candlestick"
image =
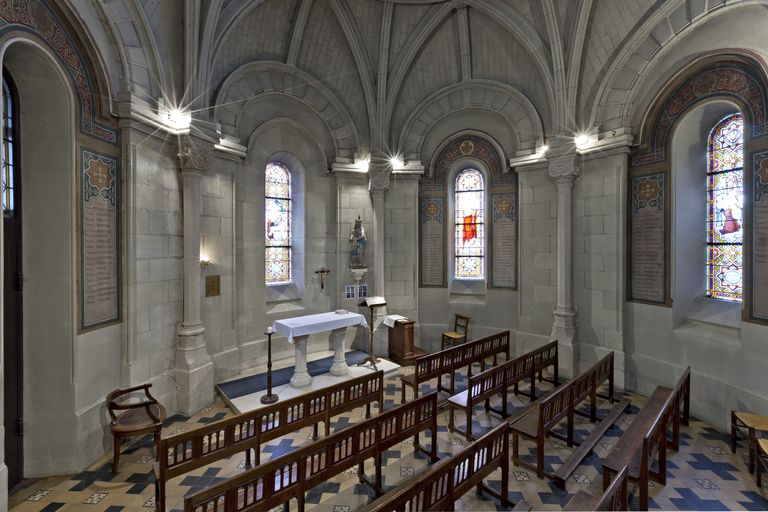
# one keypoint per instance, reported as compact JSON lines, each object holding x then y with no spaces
{"x":269,"y":398}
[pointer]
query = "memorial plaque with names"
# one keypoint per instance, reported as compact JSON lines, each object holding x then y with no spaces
{"x":99,"y":257}
{"x":648,"y":239}
{"x":432,"y":241}
{"x":760,"y":236}
{"x":504,"y":241}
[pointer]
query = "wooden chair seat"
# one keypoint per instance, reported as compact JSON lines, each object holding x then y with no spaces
{"x":408,"y":379}
{"x":528,"y":424}
{"x":753,"y":423}
{"x":138,"y":420}
{"x":762,"y":460}
{"x":454,"y":335}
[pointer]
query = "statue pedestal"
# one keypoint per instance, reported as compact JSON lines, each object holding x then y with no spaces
{"x":358,"y":273}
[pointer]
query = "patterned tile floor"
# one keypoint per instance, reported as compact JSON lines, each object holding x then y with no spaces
{"x":704,"y":475}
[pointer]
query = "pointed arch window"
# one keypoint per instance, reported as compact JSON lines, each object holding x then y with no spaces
{"x":8,"y":167}
{"x":277,"y":215}
{"x":725,"y":201}
{"x":469,"y":235}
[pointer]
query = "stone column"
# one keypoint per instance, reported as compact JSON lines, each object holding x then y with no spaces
{"x":564,"y":170}
{"x":194,"y":367}
{"x":379,"y":170}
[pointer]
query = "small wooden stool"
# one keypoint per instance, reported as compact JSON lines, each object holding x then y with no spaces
{"x":762,"y":459}
{"x":752,"y":423}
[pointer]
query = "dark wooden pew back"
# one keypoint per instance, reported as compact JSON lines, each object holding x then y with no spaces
{"x":184,"y":452}
{"x":441,"y":486}
{"x":292,"y":475}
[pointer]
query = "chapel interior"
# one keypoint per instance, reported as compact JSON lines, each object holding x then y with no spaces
{"x":372,"y":255}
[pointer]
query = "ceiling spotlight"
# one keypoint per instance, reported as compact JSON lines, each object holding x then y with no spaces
{"x":396,"y":163}
{"x":582,"y":141}
{"x":179,"y":119}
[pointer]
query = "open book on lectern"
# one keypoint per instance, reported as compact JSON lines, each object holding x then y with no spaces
{"x":372,"y":302}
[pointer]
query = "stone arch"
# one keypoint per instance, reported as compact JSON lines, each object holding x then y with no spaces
{"x":739,"y":77}
{"x":254,"y":79}
{"x":51,"y":28}
{"x":500,"y":98}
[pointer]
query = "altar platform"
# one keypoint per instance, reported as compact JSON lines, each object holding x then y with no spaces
{"x":232,"y":390}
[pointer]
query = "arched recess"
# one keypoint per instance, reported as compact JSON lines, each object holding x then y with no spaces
{"x":255,"y":79}
{"x":71,"y":359}
{"x":496,"y":97}
{"x":740,"y":80}
{"x":478,"y":149}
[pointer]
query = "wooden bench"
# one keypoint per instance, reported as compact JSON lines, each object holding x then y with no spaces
{"x":491,"y":382}
{"x":752,"y":423}
{"x":615,"y":497}
{"x":539,"y":420}
{"x":181,"y":453}
{"x":292,"y":475}
{"x":761,"y":446}
{"x":450,"y":360}
{"x":441,"y":486}
{"x":646,"y":438}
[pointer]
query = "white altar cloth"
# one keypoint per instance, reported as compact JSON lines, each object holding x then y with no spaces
{"x":311,"y":324}
{"x":298,"y":329}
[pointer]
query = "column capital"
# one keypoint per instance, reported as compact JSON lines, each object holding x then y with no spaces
{"x":194,"y":154}
{"x":379,"y":171}
{"x":564,"y":169}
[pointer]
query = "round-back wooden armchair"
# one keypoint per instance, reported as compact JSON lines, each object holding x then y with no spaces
{"x":142,"y":417}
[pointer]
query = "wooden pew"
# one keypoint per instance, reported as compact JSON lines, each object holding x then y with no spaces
{"x":442,"y":485}
{"x":615,"y":497}
{"x":181,"y":453}
{"x":484,"y":385}
{"x":540,"y":419}
{"x":646,"y":437}
{"x":450,"y":360}
{"x":291,"y":476}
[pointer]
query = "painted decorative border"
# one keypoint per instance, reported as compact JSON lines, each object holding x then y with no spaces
{"x":99,"y":180}
{"x":724,"y":80}
{"x":38,"y":18}
{"x":648,"y":192}
{"x":758,"y":256}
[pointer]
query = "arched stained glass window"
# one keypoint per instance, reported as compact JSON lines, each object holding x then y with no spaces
{"x":469,"y":237}
{"x":277,"y":232}
{"x":8,"y":150}
{"x":725,"y":200}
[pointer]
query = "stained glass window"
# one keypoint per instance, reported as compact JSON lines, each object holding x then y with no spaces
{"x":8,"y":149}
{"x":469,"y":236}
{"x":725,"y":199}
{"x":277,"y":215}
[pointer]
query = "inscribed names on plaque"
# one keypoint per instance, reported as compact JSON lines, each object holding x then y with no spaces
{"x":432,"y":241}
{"x":648,"y":239}
{"x":99,"y":261}
{"x":504,"y":241}
{"x":760,"y":236}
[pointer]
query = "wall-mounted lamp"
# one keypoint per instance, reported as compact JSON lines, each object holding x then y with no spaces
{"x":205,"y":261}
{"x":396,"y":162}
{"x":179,"y":119}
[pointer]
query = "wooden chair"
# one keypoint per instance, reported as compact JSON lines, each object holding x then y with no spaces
{"x":139,"y":418}
{"x":459,"y":332}
{"x":752,"y":423}
{"x":762,"y":460}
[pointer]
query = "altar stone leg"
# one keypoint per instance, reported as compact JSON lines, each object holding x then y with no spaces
{"x":339,"y":366}
{"x":301,"y":376}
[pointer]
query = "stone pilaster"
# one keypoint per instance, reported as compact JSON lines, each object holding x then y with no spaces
{"x":193,"y":365}
{"x":564,"y":170}
{"x":379,"y":170}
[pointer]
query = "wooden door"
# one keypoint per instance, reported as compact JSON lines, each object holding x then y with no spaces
{"x":12,"y":279}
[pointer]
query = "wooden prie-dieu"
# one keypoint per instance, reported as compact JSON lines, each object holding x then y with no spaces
{"x":291,"y":476}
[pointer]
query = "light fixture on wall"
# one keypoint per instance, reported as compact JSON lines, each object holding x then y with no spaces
{"x":178,"y":118}
{"x":582,"y":140}
{"x":205,"y":261}
{"x":362,"y":165}
{"x":396,"y":162}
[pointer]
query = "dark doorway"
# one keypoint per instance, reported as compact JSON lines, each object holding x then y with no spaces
{"x":12,"y":279}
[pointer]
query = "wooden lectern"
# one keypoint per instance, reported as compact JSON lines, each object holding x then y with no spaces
{"x":371,"y":303}
{"x":401,"y":347}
